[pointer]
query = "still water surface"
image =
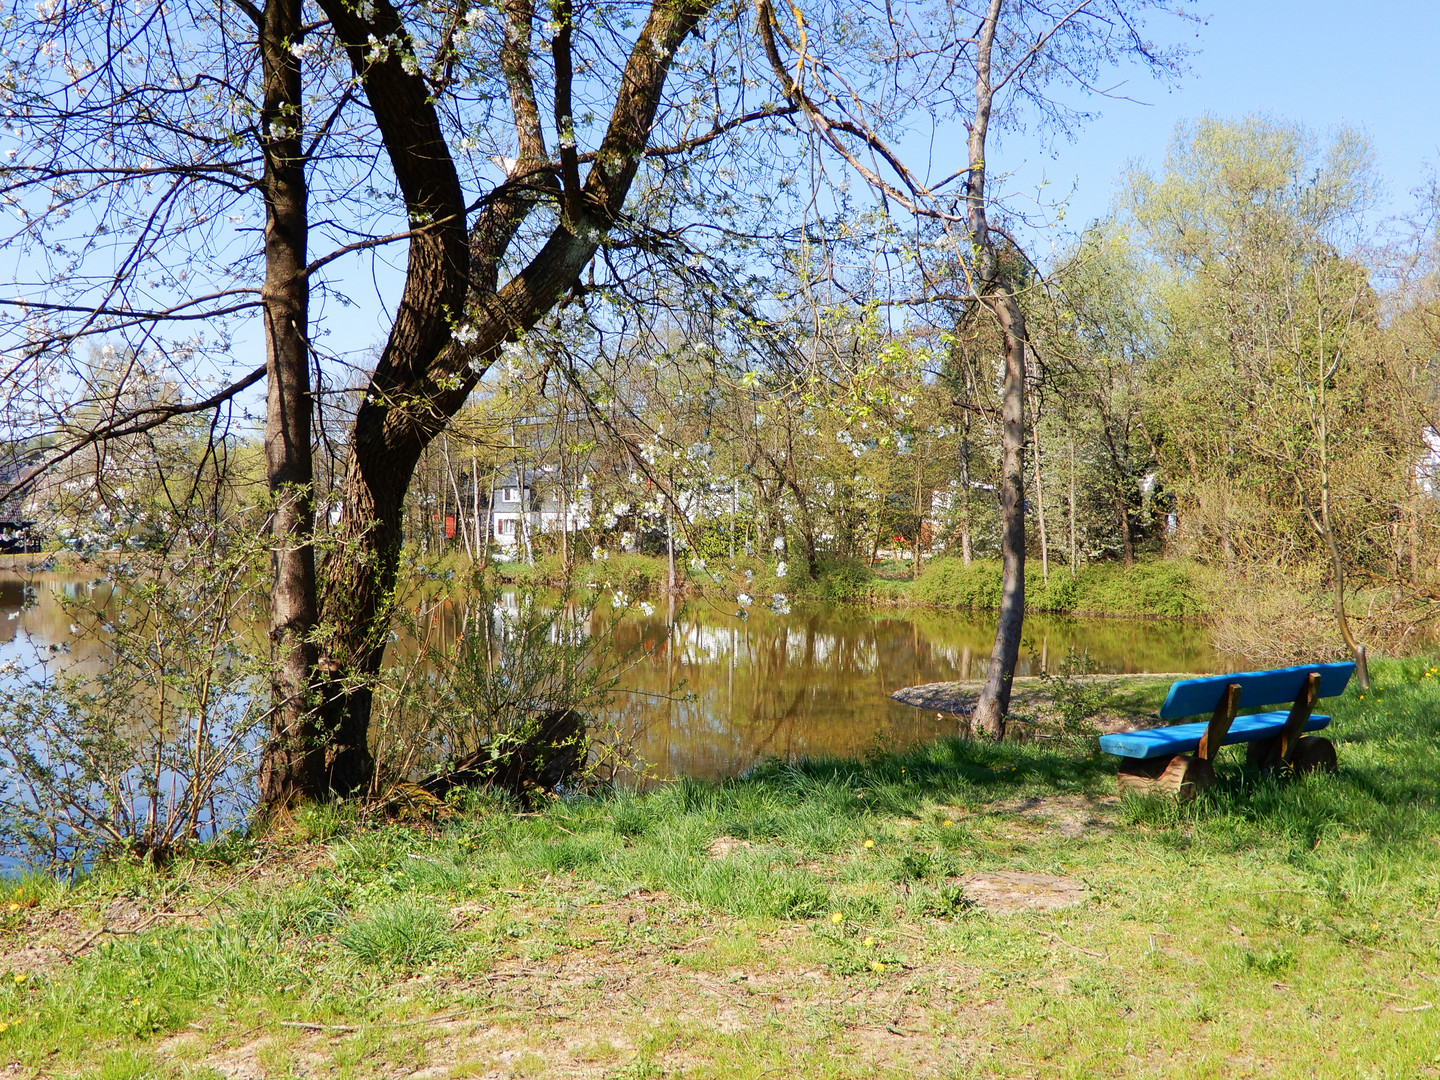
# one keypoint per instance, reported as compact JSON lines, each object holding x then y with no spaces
{"x":710,"y":695}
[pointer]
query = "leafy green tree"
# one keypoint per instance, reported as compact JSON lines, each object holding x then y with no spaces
{"x":1272,"y":398}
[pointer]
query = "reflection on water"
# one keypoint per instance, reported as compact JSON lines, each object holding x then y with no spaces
{"x":710,"y":695}
{"x":714,"y":695}
{"x":35,"y":625}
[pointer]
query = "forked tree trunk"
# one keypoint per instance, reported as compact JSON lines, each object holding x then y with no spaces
{"x":292,"y":762}
{"x":425,"y":372}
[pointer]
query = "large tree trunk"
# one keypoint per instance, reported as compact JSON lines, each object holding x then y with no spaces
{"x":410,"y":396}
{"x":291,"y":763}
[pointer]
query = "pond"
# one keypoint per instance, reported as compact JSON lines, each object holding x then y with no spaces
{"x":709,"y":695}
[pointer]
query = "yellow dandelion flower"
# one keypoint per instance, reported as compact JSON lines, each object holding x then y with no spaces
{"x":837,"y":918}
{"x":14,"y":907}
{"x":876,"y":965}
{"x":869,"y":843}
{"x":949,"y":822}
{"x":869,"y":941}
{"x":4,"y":1027}
{"x":20,"y":977}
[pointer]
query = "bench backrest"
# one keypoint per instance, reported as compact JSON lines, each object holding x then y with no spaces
{"x":1190,"y":697}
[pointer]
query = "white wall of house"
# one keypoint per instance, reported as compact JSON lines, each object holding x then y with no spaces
{"x":509,"y":522}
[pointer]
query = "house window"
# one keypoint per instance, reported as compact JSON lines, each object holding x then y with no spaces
{"x":512,"y":495}
{"x":505,"y":527}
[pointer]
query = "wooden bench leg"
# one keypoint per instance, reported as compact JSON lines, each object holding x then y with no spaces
{"x":1182,"y":776}
{"x":1262,"y":754}
{"x":1310,"y":753}
{"x":1302,"y":753}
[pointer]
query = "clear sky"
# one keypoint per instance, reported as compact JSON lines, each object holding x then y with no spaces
{"x":1372,"y":65}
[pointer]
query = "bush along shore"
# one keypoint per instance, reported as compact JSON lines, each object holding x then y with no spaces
{"x":1164,"y":588}
{"x":973,"y":908}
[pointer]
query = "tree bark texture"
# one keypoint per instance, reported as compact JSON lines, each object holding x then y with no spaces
{"x":994,"y":701}
{"x":292,"y":761}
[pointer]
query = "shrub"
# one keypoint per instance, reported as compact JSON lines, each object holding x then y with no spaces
{"x":1061,"y":593}
{"x":950,"y":583}
{"x":502,"y":699}
{"x":635,"y":574}
{"x":1169,"y":588}
{"x":840,"y":579}
{"x":1078,"y":697}
{"x":157,"y":748}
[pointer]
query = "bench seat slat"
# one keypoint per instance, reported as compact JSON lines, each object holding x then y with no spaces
{"x":1185,"y":738}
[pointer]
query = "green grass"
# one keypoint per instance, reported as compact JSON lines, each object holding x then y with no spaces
{"x":1273,"y":928}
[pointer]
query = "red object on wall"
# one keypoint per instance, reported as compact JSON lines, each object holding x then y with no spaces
{"x":449,"y":526}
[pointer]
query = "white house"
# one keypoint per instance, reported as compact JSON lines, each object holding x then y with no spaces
{"x":530,"y":503}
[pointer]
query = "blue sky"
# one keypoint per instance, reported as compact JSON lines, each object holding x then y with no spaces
{"x":1324,"y":63}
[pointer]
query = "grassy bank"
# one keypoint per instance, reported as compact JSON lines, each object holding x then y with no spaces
{"x":817,"y":921}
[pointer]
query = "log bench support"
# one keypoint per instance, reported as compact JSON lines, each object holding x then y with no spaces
{"x":1178,"y":761}
{"x":1183,"y":775}
{"x":1290,"y":749}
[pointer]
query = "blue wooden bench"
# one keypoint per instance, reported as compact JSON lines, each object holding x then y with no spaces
{"x":1179,"y":759}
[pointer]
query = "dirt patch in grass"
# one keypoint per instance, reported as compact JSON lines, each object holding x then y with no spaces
{"x":1069,"y":815}
{"x":1009,"y":891}
{"x":604,"y":1012}
{"x":726,"y":845}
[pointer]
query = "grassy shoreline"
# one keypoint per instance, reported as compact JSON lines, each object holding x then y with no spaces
{"x":748,"y":929}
